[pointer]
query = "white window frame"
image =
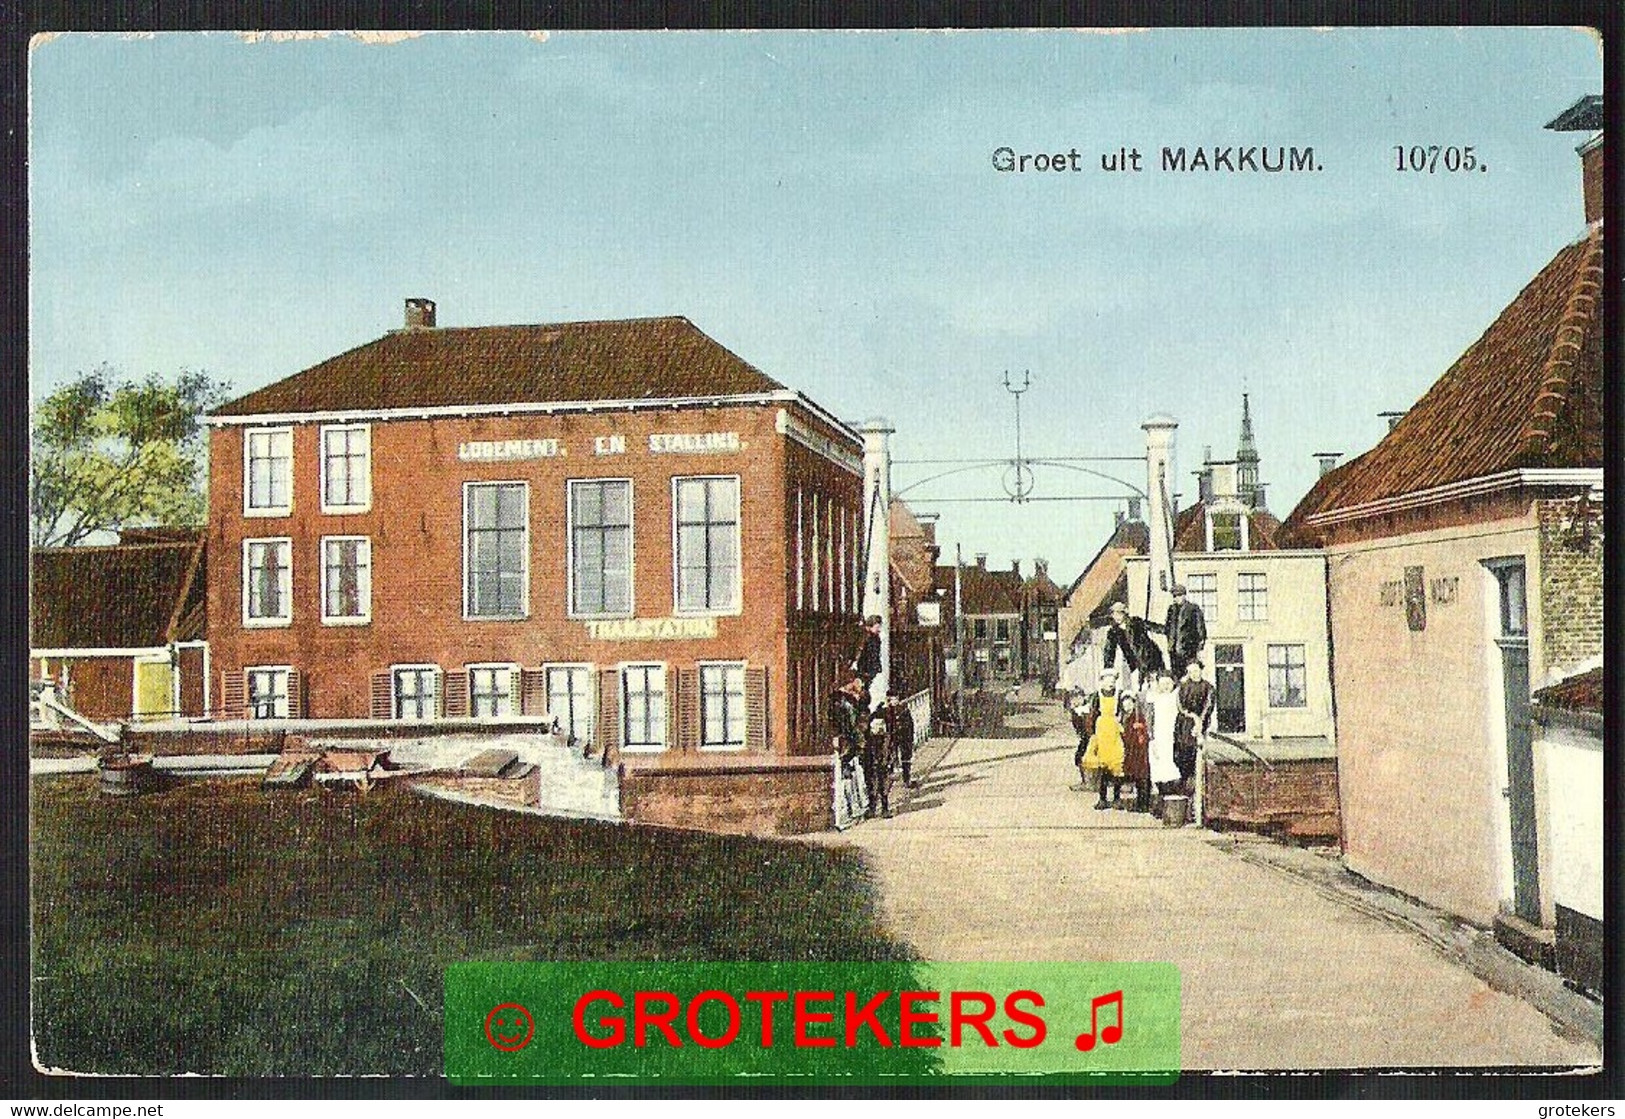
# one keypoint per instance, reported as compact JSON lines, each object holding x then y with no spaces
{"x":276,"y":621}
{"x":665,"y":722}
{"x":395,"y":694}
{"x":524,"y":592}
{"x":1270,"y":668}
{"x":589,"y":694}
{"x":249,"y":508}
{"x":363,"y":618}
{"x":570,"y":549}
{"x":801,"y":557}
{"x":744,"y":737}
{"x":737,"y":607}
{"x":284,"y":670}
{"x":328,"y":505}
{"x":1207,"y":599}
{"x":515,"y":687}
{"x":1247,"y":609}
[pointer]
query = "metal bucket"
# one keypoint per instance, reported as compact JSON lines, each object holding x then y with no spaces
{"x":1176,"y":811}
{"x":125,"y":777}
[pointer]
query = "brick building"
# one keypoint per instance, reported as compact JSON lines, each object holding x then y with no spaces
{"x":621,"y":525}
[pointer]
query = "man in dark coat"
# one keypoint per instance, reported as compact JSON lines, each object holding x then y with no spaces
{"x":1195,"y":716}
{"x":900,"y":725}
{"x":877,"y":763}
{"x":1132,"y":638}
{"x":1186,"y":630}
{"x":866,"y":662}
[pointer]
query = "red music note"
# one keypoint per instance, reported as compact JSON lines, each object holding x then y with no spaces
{"x":1111,"y":1035}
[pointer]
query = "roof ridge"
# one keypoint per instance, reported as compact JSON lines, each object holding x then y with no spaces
{"x":77,"y":549}
{"x":1578,"y":312}
{"x":537,"y":325}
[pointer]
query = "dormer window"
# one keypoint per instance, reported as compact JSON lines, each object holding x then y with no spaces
{"x":1227,"y":532}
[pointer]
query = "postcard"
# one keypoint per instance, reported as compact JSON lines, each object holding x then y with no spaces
{"x":817,"y":559}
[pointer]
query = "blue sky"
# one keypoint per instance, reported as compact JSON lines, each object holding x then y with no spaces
{"x":825,"y":205}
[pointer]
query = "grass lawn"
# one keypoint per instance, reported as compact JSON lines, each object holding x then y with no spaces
{"x":220,"y":928}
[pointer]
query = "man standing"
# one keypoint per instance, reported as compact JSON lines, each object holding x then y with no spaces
{"x":1186,"y":630}
{"x":1132,"y":638}
{"x":900,"y":725}
{"x":1195,"y":715}
{"x":867,"y":661}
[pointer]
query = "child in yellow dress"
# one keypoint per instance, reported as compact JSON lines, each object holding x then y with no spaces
{"x":1104,"y":754}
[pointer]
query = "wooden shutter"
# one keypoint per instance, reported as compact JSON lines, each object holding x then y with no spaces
{"x":688,"y":708}
{"x":532,"y":685}
{"x":296,"y":694}
{"x":457,"y":695}
{"x":609,"y":709}
{"x":440,"y":692}
{"x":383,"y":695}
{"x":516,"y":689}
{"x":756,"y":728}
{"x":233,"y":694}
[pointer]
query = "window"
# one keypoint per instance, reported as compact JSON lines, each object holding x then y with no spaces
{"x":643,"y":707}
{"x":707,"y":546}
{"x":801,"y":556}
{"x":1001,"y":629}
{"x":1227,"y":535}
{"x":267,"y":693}
{"x":346,"y":580}
{"x":813,"y":558}
{"x":981,"y":629}
{"x":496,"y":546}
{"x":1287,"y":676}
{"x":346,"y":468}
{"x":417,"y":691}
{"x":491,"y":691}
{"x":1252,"y":601}
{"x":267,"y":582}
{"x":268,"y":472}
{"x":722,"y":706}
{"x":1511,"y":591}
{"x":569,"y":699}
{"x":601,"y":547}
{"x":1203,"y":589}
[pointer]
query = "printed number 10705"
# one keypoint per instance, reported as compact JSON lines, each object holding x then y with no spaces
{"x":1432,"y":158}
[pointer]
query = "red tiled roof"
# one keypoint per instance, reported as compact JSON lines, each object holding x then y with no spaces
{"x":1190,"y":530}
{"x":982,"y":591}
{"x":1578,"y":693}
{"x":628,"y":359}
{"x":120,"y":596}
{"x":1526,"y":394}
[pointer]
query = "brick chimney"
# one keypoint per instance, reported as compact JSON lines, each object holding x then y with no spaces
{"x":981,"y":560}
{"x":1585,"y":115}
{"x":1134,"y":509}
{"x":419,"y":314}
{"x":1015,"y":568}
{"x":1591,"y":178}
{"x":1328,"y":461}
{"x":1393,"y":418}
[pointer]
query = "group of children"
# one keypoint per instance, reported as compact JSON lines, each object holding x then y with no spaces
{"x":1148,"y":739}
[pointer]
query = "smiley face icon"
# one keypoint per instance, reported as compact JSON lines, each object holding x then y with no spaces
{"x":509,"y":1027}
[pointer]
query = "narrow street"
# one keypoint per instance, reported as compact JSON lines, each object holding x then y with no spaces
{"x":999,"y":855}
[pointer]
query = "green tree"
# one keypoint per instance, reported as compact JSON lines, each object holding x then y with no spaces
{"x":111,"y":453}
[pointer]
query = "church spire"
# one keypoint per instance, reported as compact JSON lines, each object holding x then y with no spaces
{"x":1247,"y":455}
